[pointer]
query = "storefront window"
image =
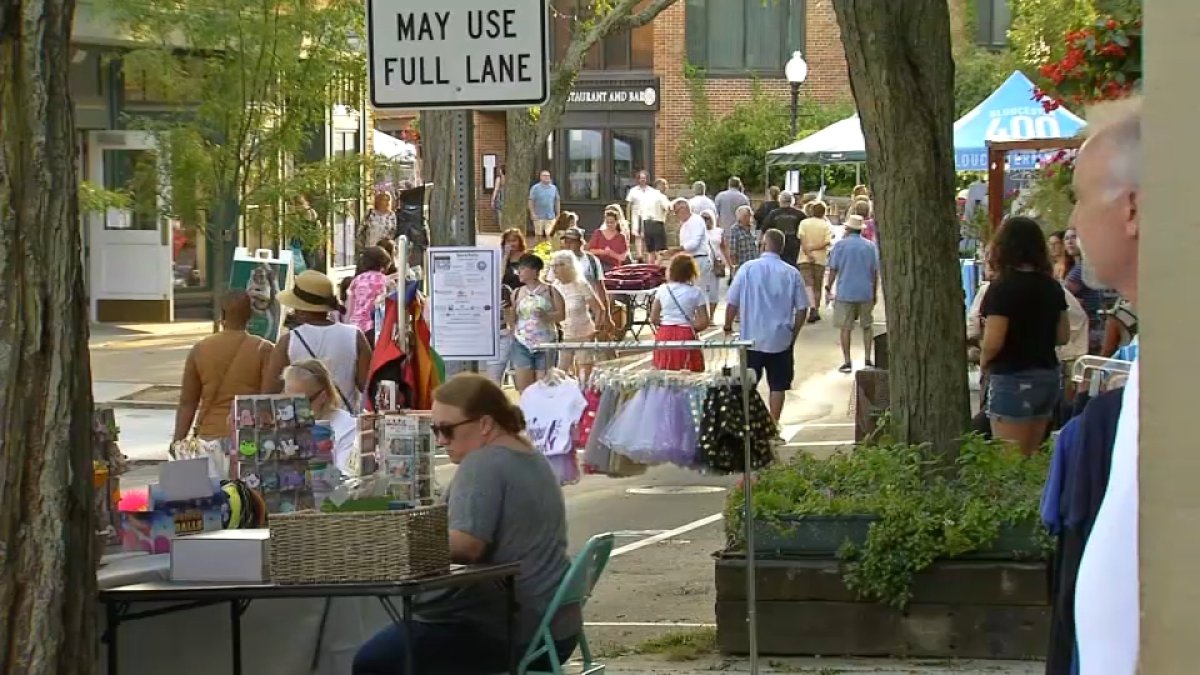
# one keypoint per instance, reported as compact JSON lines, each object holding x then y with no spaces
{"x":135,"y":173}
{"x":623,"y":50}
{"x":630,"y":150}
{"x":584,"y":161}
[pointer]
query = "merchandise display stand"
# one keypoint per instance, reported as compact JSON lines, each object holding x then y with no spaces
{"x":742,"y":346}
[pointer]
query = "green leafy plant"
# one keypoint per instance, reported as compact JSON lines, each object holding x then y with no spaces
{"x":736,"y":144}
{"x":244,"y":103}
{"x":921,"y":511}
{"x":977,"y":73}
{"x":1051,"y":197}
{"x":96,"y":199}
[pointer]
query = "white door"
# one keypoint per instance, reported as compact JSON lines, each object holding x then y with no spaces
{"x":131,"y":249}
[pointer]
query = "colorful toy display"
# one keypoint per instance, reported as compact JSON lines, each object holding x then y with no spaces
{"x":283,"y":453}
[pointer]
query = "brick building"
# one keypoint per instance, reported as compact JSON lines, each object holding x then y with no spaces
{"x":633,"y":100}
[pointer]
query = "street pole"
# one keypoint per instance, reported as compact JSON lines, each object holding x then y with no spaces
{"x":462,"y":207}
{"x":795,"y":107}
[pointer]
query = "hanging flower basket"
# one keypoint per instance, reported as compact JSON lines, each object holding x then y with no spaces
{"x":1102,"y":63}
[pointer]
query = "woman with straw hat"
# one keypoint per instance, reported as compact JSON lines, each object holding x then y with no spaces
{"x":342,"y":347}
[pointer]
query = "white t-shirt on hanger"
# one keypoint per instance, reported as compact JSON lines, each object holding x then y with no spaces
{"x":551,"y":413}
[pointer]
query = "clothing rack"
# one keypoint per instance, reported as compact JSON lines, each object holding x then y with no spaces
{"x":1097,"y":370}
{"x":742,"y":346}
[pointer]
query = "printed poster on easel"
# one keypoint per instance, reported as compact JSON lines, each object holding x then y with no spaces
{"x":464,"y":302}
{"x":262,"y":275}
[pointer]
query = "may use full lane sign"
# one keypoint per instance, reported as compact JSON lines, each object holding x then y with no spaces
{"x":458,"y":53}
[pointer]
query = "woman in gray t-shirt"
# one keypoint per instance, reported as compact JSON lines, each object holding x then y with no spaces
{"x":505,"y":506}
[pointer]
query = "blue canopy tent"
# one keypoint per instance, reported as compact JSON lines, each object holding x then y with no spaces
{"x":1009,"y":114}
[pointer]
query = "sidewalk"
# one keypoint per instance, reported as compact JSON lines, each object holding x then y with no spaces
{"x":128,"y":358}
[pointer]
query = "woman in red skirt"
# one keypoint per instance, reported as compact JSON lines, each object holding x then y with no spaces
{"x":680,"y":312}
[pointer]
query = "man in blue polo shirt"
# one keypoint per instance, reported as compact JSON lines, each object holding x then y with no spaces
{"x":544,"y":205}
{"x":761,"y":295}
{"x":854,"y":273}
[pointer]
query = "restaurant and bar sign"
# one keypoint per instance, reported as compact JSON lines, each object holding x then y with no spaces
{"x":614,"y":96}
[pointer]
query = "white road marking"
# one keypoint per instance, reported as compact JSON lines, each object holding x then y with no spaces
{"x":637,"y":533}
{"x":647,"y":624}
{"x":663,"y":536}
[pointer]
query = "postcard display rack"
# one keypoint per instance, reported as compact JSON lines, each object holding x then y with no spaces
{"x":283,"y":452}
{"x":398,"y":447}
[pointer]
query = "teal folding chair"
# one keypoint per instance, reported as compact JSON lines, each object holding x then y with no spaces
{"x":576,"y":587}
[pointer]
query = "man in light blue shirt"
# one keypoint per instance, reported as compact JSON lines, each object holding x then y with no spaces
{"x":762,"y":293}
{"x":854,"y":268}
{"x":544,"y":203}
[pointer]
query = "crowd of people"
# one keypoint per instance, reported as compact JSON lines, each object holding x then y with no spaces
{"x":1034,"y":317}
{"x":1040,"y":310}
{"x":715,"y":239}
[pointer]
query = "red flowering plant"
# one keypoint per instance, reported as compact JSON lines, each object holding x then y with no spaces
{"x":1051,"y":196}
{"x":1101,"y":63}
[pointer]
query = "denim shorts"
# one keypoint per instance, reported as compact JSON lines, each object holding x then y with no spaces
{"x":1027,"y":396}
{"x":523,"y":357}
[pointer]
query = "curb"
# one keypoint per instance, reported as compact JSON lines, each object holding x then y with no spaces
{"x":120,"y":404}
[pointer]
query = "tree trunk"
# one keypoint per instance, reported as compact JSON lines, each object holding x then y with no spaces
{"x":521,"y":167}
{"x":47,"y":525}
{"x":437,"y":135}
{"x":902,"y":76}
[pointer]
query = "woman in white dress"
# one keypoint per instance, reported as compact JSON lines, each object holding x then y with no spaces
{"x":581,"y":305}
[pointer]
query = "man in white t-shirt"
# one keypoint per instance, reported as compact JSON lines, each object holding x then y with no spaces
{"x":1106,"y":217}
{"x":648,"y":208}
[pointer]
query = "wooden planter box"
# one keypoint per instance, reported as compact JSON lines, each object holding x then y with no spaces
{"x":809,"y":535}
{"x":971,"y":609}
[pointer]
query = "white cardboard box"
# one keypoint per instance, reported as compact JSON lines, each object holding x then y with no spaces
{"x":240,"y":556}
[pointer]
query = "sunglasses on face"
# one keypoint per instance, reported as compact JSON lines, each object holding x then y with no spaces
{"x":446,"y":430}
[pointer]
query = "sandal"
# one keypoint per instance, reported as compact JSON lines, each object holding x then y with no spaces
{"x":846,"y":368}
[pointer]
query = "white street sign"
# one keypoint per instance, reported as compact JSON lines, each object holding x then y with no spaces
{"x":458,"y":53}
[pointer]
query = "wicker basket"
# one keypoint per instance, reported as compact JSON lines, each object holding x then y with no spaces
{"x":311,"y":547}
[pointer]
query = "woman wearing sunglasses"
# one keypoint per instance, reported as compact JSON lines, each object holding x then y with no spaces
{"x":505,"y":506}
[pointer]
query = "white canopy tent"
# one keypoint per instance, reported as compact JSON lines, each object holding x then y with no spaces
{"x":393,"y":148}
{"x":839,"y":143}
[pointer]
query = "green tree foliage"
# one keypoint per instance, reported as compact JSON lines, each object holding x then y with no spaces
{"x":1038,"y":27}
{"x":737,"y":144}
{"x":977,"y":73}
{"x":247,"y":84}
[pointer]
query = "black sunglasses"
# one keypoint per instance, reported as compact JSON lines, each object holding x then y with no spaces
{"x":446,"y":431}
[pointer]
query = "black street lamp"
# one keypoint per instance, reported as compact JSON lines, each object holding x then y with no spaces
{"x":796,"y":71}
